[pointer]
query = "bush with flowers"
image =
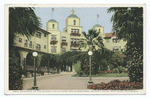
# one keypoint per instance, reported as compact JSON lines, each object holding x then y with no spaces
{"x":120,"y":69}
{"x":75,"y":34}
{"x":116,"y":85}
{"x":74,"y":45}
{"x":53,"y":42}
{"x":64,"y":44}
{"x":108,"y":71}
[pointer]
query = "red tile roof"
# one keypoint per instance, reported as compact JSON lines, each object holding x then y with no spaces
{"x":109,"y":35}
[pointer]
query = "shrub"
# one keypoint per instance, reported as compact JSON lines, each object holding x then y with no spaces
{"x":15,"y":81}
{"x":116,"y":70}
{"x":116,"y":59}
{"x":136,"y":64}
{"x":86,"y":67}
{"x":108,"y":71}
{"x":119,"y":69}
{"x":117,"y":85}
{"x":77,"y":67}
{"x":15,"y":71}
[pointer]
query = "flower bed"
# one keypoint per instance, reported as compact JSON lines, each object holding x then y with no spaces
{"x":116,"y":85}
{"x":108,"y":71}
{"x":64,"y":44}
{"x":75,"y":34}
{"x":53,"y":42}
{"x":74,"y":45}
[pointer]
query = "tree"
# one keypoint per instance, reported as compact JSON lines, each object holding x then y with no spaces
{"x":100,"y":54}
{"x":23,"y":21}
{"x":77,"y":67}
{"x":116,"y":60}
{"x":101,"y":57}
{"x":92,"y":40}
{"x":128,"y":24}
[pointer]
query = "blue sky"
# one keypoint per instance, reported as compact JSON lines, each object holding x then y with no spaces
{"x":88,"y":17}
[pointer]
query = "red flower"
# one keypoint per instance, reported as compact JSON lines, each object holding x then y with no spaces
{"x":75,"y":34}
{"x":64,"y":43}
{"x":74,"y":45}
{"x":53,"y":42}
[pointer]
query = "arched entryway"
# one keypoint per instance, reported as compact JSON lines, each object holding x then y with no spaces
{"x":29,"y":59}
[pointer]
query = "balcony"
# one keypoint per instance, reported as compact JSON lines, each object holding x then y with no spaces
{"x":53,"y":42}
{"x":75,"y":34}
{"x":64,"y":44}
{"x":74,"y":45}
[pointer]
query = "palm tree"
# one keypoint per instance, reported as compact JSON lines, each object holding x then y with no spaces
{"x":92,"y":40}
{"x":23,"y":21}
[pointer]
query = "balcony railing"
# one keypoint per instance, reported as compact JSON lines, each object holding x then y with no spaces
{"x":75,"y":34}
{"x":64,"y":44}
{"x":74,"y":45}
{"x":53,"y":42}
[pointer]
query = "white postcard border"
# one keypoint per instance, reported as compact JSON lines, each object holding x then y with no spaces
{"x":143,"y":91}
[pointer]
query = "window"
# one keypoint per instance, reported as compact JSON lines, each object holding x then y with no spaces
{"x":71,"y":40}
{"x":30,"y":44}
{"x":99,"y":30}
{"x":74,"y":30}
{"x":63,"y":39}
{"x":38,"y":47}
{"x":63,"y":49}
{"x":71,"y":30}
{"x":53,"y":26}
{"x":53,"y":49}
{"x":44,"y":35}
{"x":38,"y":34}
{"x":20,"y":40}
{"x":77,"y":30}
{"x":26,"y":43}
{"x":74,"y":41}
{"x":115,"y":40}
{"x":44,"y":46}
{"x":74,"y":22}
{"x":53,"y":37}
{"x":107,"y":40}
{"x":117,"y":48}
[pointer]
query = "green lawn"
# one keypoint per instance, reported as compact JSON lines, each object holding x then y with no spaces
{"x":104,"y":75}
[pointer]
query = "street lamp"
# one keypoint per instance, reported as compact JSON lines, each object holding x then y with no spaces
{"x":35,"y":54}
{"x":90,"y":54}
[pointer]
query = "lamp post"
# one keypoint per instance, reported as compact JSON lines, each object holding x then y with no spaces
{"x":90,"y":54}
{"x":35,"y":54}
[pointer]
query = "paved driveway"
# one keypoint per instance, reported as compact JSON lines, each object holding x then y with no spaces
{"x":64,"y":81}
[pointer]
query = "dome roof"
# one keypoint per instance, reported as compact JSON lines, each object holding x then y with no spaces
{"x":73,"y":15}
{"x":97,"y":25}
{"x":52,"y":20}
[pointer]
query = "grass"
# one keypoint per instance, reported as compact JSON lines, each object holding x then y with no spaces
{"x":104,"y":75}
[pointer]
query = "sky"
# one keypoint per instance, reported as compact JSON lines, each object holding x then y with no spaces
{"x":88,"y":17}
